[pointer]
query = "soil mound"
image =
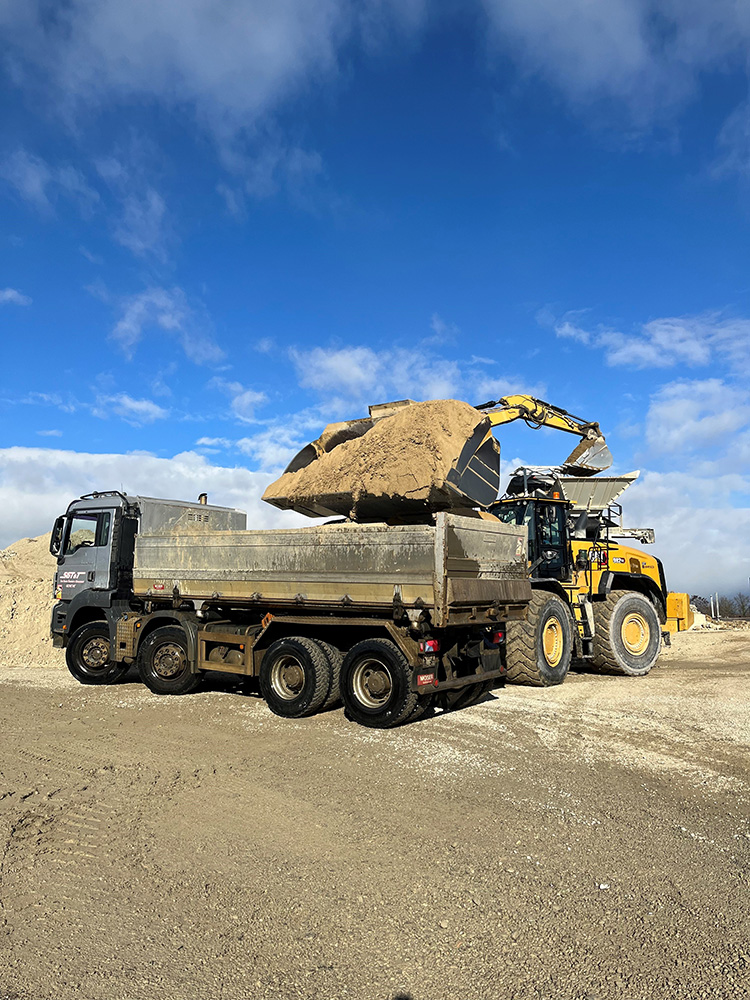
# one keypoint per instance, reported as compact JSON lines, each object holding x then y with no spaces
{"x":26,"y":577}
{"x":405,"y":462}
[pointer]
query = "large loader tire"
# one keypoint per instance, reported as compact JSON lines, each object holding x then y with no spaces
{"x":627,"y":634}
{"x":295,"y":677}
{"x":376,"y":684}
{"x":88,"y":656}
{"x":163,"y":662}
{"x":538,"y":650}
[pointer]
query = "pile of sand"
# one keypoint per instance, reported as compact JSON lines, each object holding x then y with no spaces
{"x":400,"y":464}
{"x":26,"y":578}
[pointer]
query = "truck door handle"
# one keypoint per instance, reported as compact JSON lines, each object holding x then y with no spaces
{"x":91,"y":574}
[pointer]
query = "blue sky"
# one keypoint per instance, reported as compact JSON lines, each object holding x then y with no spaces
{"x":226,"y":223}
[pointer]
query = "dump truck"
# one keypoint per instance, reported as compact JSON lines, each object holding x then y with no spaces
{"x":388,"y":617}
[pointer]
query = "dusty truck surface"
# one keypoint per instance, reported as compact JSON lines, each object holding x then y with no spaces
{"x":388,"y":618}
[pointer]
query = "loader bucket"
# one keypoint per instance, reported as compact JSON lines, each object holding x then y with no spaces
{"x":589,"y":457}
{"x":405,"y":459}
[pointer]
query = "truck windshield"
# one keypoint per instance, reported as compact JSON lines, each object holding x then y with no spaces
{"x":86,"y":530}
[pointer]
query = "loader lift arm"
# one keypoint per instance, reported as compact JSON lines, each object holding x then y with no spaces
{"x":592,"y":454}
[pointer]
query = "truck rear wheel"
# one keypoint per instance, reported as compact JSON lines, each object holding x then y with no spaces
{"x":164,"y":664}
{"x":376,"y":684}
{"x":538,"y":650}
{"x":627,"y":634}
{"x":88,"y":656}
{"x":335,"y":658}
{"x":295,"y":677}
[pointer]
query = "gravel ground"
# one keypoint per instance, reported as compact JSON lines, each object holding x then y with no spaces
{"x":588,"y":841}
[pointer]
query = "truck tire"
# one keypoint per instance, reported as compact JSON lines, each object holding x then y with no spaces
{"x":376,"y":684}
{"x":335,"y":658}
{"x":425,"y":705}
{"x":87,"y":656}
{"x":295,"y":677}
{"x":164,"y":664}
{"x":539,"y":650}
{"x":473,"y":694}
{"x":627,"y":634}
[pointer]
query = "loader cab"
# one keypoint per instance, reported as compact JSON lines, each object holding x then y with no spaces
{"x":547,"y":524}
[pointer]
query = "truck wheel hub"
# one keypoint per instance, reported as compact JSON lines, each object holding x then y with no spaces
{"x":95,"y":654}
{"x":169,"y":660}
{"x":372,"y":683}
{"x":635,"y":633}
{"x":287,"y":678}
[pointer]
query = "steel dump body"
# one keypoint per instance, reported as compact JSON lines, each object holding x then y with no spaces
{"x":455,"y":568}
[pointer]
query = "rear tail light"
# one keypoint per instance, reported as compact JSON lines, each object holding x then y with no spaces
{"x":429,"y":646}
{"x":497,"y":637}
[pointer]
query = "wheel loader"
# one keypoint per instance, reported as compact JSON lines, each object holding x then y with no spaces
{"x":594,"y":598}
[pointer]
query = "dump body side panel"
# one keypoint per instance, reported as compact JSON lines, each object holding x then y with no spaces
{"x":341,"y":565}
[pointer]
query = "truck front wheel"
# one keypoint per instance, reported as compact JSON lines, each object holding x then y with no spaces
{"x":295,"y":677}
{"x":88,"y":656}
{"x":376,"y":684}
{"x":164,"y":664}
{"x":627,"y":634}
{"x":538,"y":650}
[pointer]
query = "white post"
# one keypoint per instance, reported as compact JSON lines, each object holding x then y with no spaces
{"x":718,"y":614}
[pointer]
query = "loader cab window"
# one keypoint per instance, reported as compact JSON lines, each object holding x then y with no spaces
{"x":545,"y":523}
{"x":87,"y":530}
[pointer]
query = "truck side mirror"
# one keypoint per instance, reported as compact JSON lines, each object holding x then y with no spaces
{"x":55,"y":540}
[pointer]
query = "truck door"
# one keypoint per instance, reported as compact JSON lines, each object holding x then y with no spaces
{"x":86,"y":557}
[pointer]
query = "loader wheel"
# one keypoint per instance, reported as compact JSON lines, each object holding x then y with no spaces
{"x":88,"y":657}
{"x":376,"y":684}
{"x":164,"y":664}
{"x":627,"y":634}
{"x":295,"y":677}
{"x":335,"y":658}
{"x":538,"y":650}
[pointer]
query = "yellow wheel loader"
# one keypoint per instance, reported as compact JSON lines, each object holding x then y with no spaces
{"x":612,"y":594}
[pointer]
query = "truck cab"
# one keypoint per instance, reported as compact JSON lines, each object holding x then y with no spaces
{"x":94,"y":543}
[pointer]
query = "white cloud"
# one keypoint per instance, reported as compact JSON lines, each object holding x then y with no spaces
{"x":671,"y":340}
{"x":232,"y":62}
{"x":703,"y":541}
{"x":647,"y":54}
{"x":51,"y":433}
{"x":14,"y":296}
{"x":274,"y":447}
{"x":134,"y":411}
{"x":38,"y":183}
{"x":244,"y":401}
{"x":360,"y":375}
{"x":167,"y":310}
{"x":36,"y":484}
{"x":686,"y":416}
{"x":495,"y":388}
{"x":209,"y":442}
{"x":141,"y":227}
{"x":142,"y":224}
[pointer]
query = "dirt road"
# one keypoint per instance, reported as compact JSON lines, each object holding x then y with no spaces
{"x":588,"y":841}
